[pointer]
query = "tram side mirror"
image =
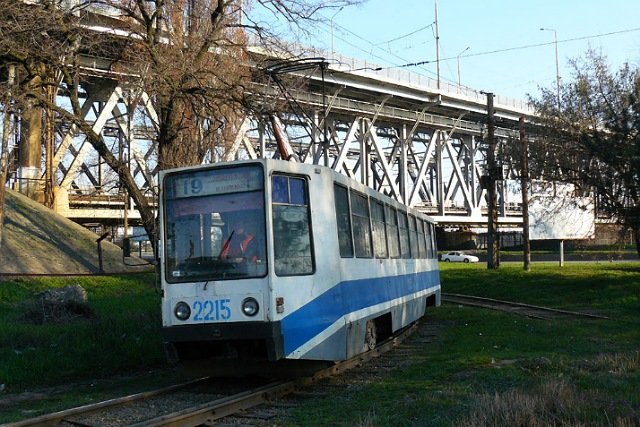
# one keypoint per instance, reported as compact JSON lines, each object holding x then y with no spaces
{"x":126,"y":247}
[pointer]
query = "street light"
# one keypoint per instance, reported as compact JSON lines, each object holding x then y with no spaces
{"x":333,"y":16}
{"x":466,"y":49}
{"x":555,"y":41}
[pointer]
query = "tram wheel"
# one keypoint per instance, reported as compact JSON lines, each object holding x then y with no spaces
{"x":372,"y":334}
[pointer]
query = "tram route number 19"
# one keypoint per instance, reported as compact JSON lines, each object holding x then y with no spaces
{"x":211,"y":310}
{"x":192,"y":186}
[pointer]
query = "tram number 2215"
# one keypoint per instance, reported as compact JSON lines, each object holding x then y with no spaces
{"x":210,"y":310}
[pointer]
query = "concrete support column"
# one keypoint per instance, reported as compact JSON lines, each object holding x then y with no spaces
{"x":30,"y":153}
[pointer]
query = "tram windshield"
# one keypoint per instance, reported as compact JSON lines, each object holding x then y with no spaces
{"x":215,"y":224}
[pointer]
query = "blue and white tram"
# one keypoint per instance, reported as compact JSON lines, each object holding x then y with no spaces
{"x":267,"y":259}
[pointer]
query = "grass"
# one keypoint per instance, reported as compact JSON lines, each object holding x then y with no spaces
{"x":604,"y":288}
{"x":123,"y":334}
{"x":484,"y":368}
{"x":497,"y":369}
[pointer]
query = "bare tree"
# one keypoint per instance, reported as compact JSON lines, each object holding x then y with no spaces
{"x":592,"y":137}
{"x":190,"y":56}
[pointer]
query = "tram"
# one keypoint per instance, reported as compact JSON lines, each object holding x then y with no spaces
{"x":271,"y":260}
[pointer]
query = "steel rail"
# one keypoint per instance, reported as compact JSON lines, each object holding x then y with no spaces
{"x":58,"y":417}
{"x":533,"y":311}
{"x":218,"y":408}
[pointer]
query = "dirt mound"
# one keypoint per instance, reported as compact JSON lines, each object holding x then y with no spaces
{"x":36,"y":240}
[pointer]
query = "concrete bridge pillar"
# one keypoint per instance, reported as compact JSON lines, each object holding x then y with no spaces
{"x":30,"y":153}
{"x":61,"y":200}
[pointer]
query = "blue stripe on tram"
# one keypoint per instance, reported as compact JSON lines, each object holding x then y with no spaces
{"x":346,"y":297}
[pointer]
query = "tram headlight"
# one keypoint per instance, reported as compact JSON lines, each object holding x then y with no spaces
{"x":182,"y":310}
{"x":250,"y":307}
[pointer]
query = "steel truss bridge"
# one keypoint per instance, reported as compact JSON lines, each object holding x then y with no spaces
{"x":420,"y":141}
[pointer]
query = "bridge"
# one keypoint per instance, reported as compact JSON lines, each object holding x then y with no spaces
{"x":418,"y":140}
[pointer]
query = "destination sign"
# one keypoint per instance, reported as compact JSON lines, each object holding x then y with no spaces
{"x":214,"y":181}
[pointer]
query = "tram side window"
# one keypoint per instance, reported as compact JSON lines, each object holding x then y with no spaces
{"x":434,"y":245}
{"x":343,"y":221}
{"x":413,"y":236}
{"x":403,"y":229}
{"x":361,"y":225}
{"x":391,"y":217}
{"x":280,"y":189}
{"x":379,"y":234}
{"x":427,"y":235}
{"x":422,"y":249}
{"x":293,"y":251}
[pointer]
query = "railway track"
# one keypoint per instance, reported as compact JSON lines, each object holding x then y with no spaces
{"x":203,"y":402}
{"x":533,"y":311}
{"x":189,"y":404}
{"x":198,"y":402}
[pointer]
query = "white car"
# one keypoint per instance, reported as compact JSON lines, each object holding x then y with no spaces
{"x":459,"y":257}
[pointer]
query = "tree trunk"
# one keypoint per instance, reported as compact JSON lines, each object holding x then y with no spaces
{"x":126,"y":178}
{"x":636,"y":238}
{"x":118,"y":166}
{"x":140,"y":200}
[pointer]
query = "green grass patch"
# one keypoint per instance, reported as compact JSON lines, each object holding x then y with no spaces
{"x":122,"y":335}
{"x":611,"y":289}
{"x":492,"y":368}
{"x":483,"y":368}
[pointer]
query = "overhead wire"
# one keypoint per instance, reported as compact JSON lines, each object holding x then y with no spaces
{"x":514,"y":48}
{"x":407,"y":35}
{"x":470,"y":55}
{"x":374,"y":46}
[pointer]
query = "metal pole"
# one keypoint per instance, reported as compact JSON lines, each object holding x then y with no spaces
{"x":99,"y":243}
{"x":524,"y":188}
{"x":333,"y":16}
{"x":325,"y":138}
{"x":437,"y":47}
{"x":4,"y":151}
{"x":49,"y":143}
{"x":466,"y":49}
{"x":555,"y":42}
{"x":493,"y":261}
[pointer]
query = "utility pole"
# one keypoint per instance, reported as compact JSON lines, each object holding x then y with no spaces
{"x":437,"y":46}
{"x":524,"y":188}
{"x":493,"y":256}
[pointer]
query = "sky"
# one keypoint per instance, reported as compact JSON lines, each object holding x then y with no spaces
{"x":507,"y":52}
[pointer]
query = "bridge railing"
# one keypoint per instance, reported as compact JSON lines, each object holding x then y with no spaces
{"x":410,"y":78}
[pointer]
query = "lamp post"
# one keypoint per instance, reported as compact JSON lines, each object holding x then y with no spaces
{"x":555,"y":42}
{"x":465,"y":49}
{"x":333,"y":16}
